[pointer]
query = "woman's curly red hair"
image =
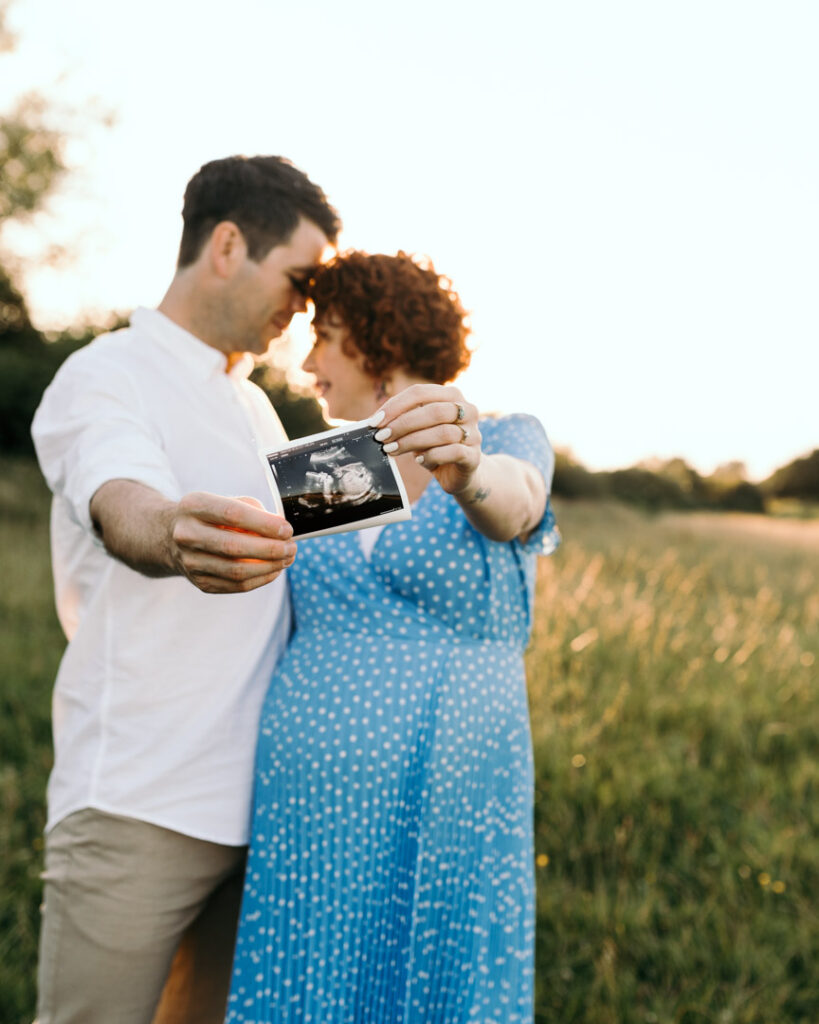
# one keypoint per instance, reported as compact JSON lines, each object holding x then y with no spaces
{"x":400,"y":314}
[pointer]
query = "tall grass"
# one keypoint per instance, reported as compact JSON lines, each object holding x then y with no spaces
{"x":30,"y":647}
{"x":673,"y":689}
{"x":672,"y":677}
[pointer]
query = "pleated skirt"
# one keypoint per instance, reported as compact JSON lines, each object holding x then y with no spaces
{"x":390,"y":875}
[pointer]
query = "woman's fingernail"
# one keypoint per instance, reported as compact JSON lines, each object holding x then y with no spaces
{"x":382,"y":435}
{"x":419,"y":458}
{"x":374,"y":420}
{"x":391,"y":447}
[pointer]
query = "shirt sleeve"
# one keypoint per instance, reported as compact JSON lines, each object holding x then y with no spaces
{"x":90,"y":428}
{"x":523,"y":437}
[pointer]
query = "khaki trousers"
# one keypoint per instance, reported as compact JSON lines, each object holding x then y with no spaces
{"x":138,"y":925}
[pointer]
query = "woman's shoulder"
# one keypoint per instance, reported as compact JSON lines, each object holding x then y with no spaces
{"x":516,"y":425}
{"x":521,"y":435}
{"x":501,"y":419}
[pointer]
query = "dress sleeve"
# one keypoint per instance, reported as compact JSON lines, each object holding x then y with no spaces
{"x":523,"y":437}
{"x":90,"y":428}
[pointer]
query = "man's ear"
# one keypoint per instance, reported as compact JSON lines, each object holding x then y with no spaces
{"x":227,"y":249}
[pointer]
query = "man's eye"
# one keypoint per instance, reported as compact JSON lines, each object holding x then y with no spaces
{"x":300,"y":284}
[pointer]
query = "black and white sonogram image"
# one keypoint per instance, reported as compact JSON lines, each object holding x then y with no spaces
{"x":335,"y":480}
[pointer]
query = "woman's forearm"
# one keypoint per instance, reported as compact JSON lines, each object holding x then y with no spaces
{"x":505,"y":498}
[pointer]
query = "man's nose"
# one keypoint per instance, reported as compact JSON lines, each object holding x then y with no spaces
{"x":298,"y":302}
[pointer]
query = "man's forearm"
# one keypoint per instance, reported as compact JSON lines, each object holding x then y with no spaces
{"x":135,"y":523}
{"x":221,"y":544}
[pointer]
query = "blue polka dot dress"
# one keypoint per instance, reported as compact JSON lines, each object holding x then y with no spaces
{"x":390,"y":874}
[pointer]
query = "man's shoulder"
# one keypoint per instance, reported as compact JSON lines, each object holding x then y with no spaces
{"x":114,"y":351}
{"x":116,"y":361}
{"x":118,"y":341}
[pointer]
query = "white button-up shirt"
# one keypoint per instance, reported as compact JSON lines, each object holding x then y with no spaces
{"x":158,"y":695}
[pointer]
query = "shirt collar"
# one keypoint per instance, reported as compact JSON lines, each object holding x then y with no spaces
{"x":198,"y":358}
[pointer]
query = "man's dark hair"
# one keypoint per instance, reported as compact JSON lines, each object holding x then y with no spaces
{"x":264,"y":196}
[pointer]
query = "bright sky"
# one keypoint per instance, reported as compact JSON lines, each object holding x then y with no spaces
{"x":625,"y":194}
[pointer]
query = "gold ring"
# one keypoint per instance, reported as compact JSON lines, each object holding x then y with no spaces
{"x":464,"y":433}
{"x":460,"y":414}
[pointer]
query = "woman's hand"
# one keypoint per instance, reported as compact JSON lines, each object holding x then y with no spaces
{"x":437,"y":423}
{"x":502,"y":496}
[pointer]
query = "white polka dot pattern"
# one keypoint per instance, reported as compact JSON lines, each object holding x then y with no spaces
{"x":390,"y":876}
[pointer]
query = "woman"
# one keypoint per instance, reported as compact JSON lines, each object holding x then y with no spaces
{"x":390,"y":875}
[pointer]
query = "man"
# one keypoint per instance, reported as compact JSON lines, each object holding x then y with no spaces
{"x":158,"y":695}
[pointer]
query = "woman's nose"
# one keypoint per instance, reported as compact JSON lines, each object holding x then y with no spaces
{"x":309,"y":363}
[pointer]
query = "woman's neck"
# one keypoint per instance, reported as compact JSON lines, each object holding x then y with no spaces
{"x":400,"y":380}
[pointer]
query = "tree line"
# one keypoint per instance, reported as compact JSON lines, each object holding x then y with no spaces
{"x":29,"y":359}
{"x":673,"y":484}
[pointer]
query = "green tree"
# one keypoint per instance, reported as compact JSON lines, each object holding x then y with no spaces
{"x":298,"y":410}
{"x":742,"y":497}
{"x":798,"y":479}
{"x":686,"y":478}
{"x":573,"y":480}
{"x":31,"y":157}
{"x":649,"y":490}
{"x":31,"y":165}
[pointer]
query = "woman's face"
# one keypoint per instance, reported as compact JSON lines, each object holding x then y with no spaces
{"x":345,"y":390}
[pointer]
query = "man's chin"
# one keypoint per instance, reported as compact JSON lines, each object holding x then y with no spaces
{"x":262,"y":346}
{"x":278,"y":329}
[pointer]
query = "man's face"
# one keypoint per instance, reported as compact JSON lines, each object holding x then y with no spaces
{"x":264,"y":296}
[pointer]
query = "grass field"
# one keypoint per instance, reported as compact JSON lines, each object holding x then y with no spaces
{"x":673,"y":677}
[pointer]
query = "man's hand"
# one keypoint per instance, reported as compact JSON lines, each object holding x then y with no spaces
{"x":229,"y":545}
{"x":222,"y":545}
